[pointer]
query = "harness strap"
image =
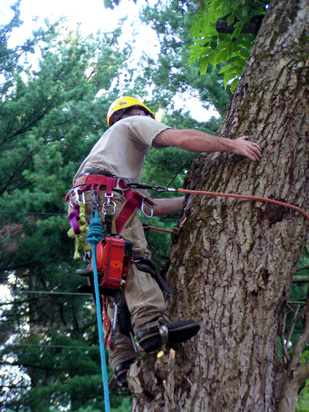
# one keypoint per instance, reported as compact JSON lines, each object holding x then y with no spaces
{"x":145,"y":264}
{"x":134,"y":200}
{"x":100,"y":180}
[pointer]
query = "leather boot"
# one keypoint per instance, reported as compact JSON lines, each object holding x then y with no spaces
{"x":175,"y":332}
{"x":121,"y":372}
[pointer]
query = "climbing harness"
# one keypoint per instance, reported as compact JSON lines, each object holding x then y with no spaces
{"x":113,"y":254}
{"x":134,"y":200}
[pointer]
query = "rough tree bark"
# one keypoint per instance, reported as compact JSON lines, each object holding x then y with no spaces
{"x":232,"y":262}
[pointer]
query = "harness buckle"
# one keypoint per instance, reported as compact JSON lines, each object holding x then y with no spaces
{"x":151,"y":207}
{"x":109,"y":204}
{"x":118,"y":187}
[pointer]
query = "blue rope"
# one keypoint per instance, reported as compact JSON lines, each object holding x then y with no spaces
{"x":94,"y":236}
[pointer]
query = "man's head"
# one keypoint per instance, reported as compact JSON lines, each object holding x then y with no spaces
{"x":126,"y":106}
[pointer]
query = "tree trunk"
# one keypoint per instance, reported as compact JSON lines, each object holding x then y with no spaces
{"x":232,"y":261}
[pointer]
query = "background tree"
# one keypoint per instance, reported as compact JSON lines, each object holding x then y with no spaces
{"x":232,"y":263}
{"x":51,"y":116}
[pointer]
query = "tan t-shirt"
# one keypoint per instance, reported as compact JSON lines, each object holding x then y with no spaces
{"x":122,"y":148}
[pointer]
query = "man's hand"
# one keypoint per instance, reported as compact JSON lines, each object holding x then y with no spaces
{"x":246,"y":148}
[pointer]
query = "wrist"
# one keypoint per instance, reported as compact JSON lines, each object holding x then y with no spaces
{"x":227,"y":145}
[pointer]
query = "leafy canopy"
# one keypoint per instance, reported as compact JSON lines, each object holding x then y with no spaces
{"x":50,"y":116}
{"x":232,"y":49}
{"x":210,"y":45}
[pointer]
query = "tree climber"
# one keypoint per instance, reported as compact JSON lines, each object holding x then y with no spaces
{"x":121,"y":152}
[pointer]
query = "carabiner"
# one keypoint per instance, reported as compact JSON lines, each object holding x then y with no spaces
{"x":95,"y":200}
{"x":151,"y":207}
{"x":83,"y":198}
{"x":109,"y":204}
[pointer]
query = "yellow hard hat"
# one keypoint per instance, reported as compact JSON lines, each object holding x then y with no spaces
{"x":123,"y":103}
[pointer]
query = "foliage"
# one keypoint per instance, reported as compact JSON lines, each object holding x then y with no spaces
{"x":110,"y":3}
{"x":303,"y":397}
{"x":170,"y":72}
{"x":209,"y":44}
{"x":231,"y":49}
{"x":51,"y":116}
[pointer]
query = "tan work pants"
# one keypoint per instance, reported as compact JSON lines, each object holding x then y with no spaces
{"x":142,"y":293}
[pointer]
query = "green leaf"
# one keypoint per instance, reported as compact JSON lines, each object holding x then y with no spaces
{"x":213,"y":58}
{"x":230,"y":20}
{"x":195,"y":27}
{"x":234,"y":84}
{"x":204,"y":65}
{"x":229,"y":74}
{"x":238,"y":27}
{"x":239,"y":68}
{"x":206,"y":21}
{"x":225,"y":68}
{"x":211,"y":31}
{"x":244,"y":52}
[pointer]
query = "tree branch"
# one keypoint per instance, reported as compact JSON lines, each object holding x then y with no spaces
{"x":297,"y":373}
{"x":293,"y":323}
{"x":301,"y":341}
{"x":302,"y":373}
{"x":285,"y":354}
{"x":252,"y":27}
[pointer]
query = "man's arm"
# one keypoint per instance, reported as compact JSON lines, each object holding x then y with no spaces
{"x":197,"y":141}
{"x":165,"y":206}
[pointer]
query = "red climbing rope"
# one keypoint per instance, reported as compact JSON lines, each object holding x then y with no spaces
{"x":158,"y":229}
{"x":161,"y":189}
{"x":256,"y":198}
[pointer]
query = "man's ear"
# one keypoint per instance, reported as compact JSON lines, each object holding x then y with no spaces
{"x":142,"y":113}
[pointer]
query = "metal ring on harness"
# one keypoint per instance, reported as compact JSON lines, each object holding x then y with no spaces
{"x":109,"y":204}
{"x":118,"y":187}
{"x":151,"y":207}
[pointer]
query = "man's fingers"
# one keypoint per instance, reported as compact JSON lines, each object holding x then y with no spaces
{"x":257,"y":151}
{"x":249,"y":149}
{"x":254,"y":150}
